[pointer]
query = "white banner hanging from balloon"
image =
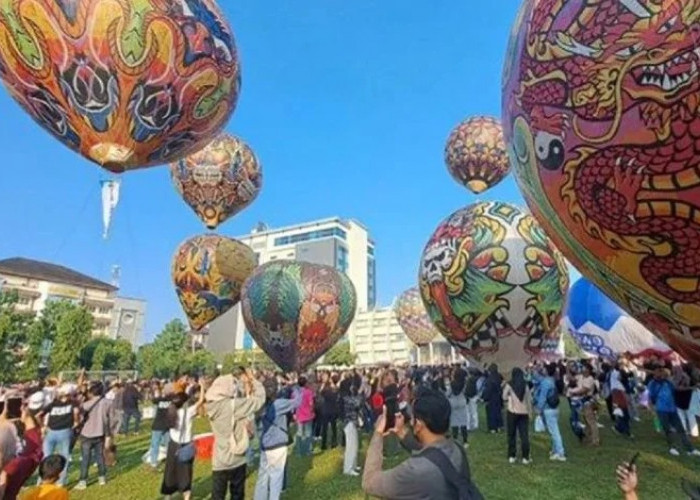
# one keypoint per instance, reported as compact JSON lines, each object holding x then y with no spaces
{"x":110,"y":199}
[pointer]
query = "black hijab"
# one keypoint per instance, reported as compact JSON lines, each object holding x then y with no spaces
{"x":517,"y":383}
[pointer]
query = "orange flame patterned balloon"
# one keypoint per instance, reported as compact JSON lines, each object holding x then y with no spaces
{"x":476,"y":153}
{"x":220,"y":180}
{"x":208,"y":272}
{"x":126,"y":83}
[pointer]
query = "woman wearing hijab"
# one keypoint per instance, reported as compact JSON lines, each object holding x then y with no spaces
{"x":458,"y":403}
{"x":492,"y":396}
{"x":518,"y":398}
{"x":177,"y":476}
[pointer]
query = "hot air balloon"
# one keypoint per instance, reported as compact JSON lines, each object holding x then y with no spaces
{"x":209,"y":272}
{"x":600,"y":116}
{"x":601,"y":328}
{"x":125,"y":84}
{"x":475,"y":153}
{"x":296,"y":311}
{"x":411,"y":315}
{"x":218,"y":181}
{"x":493,"y":284}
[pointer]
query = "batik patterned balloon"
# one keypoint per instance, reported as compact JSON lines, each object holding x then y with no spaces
{"x":411,"y":315}
{"x":601,"y":328}
{"x":209,"y":272}
{"x":126,"y":83}
{"x":218,"y":181}
{"x":296,"y":311}
{"x":476,"y":153}
{"x":600,"y":103}
{"x":493,"y":283}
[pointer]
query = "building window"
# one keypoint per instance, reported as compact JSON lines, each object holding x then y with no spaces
{"x":257,"y":258}
{"x":24,"y":301}
{"x":311,"y":235}
{"x":104,"y":310}
{"x":370,"y":251}
{"x":341,"y":259}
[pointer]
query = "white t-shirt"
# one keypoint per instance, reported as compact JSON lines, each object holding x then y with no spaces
{"x":186,"y":436}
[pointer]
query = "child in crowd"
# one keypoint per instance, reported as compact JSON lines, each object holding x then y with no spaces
{"x":49,"y":489}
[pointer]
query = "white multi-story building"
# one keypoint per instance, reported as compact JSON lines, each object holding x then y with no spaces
{"x":377,"y":338}
{"x":343,"y":244}
{"x":38,"y":283}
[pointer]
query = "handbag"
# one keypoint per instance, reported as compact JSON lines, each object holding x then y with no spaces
{"x":185,"y":452}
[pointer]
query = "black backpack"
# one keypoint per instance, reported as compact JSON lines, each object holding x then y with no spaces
{"x":460,"y":482}
{"x":553,"y":398}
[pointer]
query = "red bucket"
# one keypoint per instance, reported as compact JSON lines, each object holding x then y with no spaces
{"x":204,"y":446}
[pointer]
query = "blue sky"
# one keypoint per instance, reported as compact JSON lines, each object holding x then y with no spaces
{"x":347,"y":105}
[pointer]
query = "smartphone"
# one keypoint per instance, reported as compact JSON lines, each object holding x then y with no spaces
{"x":630,"y":464}
{"x":14,"y":408}
{"x":392,"y":408}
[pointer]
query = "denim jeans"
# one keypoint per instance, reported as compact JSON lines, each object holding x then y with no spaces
{"x":128,"y":415}
{"x":671,"y":421}
{"x":551,"y":422}
{"x":304,"y":438}
{"x":88,"y":447}
{"x":158,"y":438}
{"x":58,"y":442}
{"x":271,"y":474}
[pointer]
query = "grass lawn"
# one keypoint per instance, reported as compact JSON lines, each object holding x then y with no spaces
{"x":589,"y":473}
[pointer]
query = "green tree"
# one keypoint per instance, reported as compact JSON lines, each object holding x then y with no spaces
{"x":199,"y":362}
{"x":14,"y":332}
{"x":124,"y":357}
{"x":229,"y":363}
{"x":340,"y":354}
{"x":571,"y":348}
{"x":100,"y":356}
{"x":146,"y":361}
{"x":73,"y":332}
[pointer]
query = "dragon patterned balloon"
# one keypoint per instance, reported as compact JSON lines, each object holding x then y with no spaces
{"x":475,"y":153}
{"x":218,"y":181}
{"x":493,"y":284}
{"x":209,"y":272}
{"x":296,"y":311}
{"x":411,"y":315}
{"x":601,"y":106}
{"x":127,"y":84}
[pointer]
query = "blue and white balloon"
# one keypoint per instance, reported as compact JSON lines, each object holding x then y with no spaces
{"x":601,"y":328}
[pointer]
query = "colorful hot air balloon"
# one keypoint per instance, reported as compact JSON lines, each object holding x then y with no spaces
{"x":601,"y":328}
{"x":476,"y":153}
{"x":296,"y":311}
{"x":413,"y":318}
{"x":493,"y":284}
{"x":600,"y":111}
{"x":127,"y":84}
{"x":208,"y":272}
{"x":220,"y":180}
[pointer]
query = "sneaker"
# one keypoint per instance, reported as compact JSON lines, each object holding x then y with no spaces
{"x":558,"y":458}
{"x":527,"y":461}
{"x":600,"y":426}
{"x":674,"y":452}
{"x":352,"y":473}
{"x":694,"y":453}
{"x":82,"y":485}
{"x":101,"y":481}
{"x":511,"y":460}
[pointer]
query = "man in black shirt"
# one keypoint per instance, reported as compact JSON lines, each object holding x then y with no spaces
{"x":131,"y":398}
{"x":161,"y":426}
{"x":61,"y":415}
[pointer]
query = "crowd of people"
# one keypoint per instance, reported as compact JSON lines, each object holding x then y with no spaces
{"x":429,"y":411}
